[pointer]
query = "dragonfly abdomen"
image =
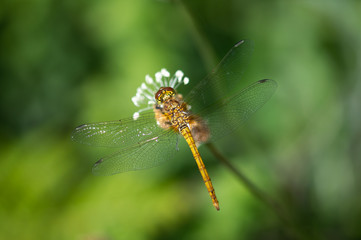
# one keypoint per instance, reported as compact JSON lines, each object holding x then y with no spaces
{"x":202,"y":168}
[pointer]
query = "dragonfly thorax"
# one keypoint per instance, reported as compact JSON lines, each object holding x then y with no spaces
{"x":170,"y":110}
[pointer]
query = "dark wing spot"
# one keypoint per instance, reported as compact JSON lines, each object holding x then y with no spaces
{"x":81,"y":126}
{"x":99,"y":162}
{"x":239,"y":43}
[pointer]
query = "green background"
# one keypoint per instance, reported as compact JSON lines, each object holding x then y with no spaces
{"x":64,"y":63}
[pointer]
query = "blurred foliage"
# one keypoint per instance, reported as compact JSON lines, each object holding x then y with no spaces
{"x":63,"y":63}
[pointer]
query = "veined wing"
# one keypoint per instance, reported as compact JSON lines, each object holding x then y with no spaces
{"x":146,"y":154}
{"x":228,"y":114}
{"x":121,"y":133}
{"x":222,"y":81}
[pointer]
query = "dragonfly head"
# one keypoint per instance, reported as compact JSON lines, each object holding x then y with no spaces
{"x":163,"y":94}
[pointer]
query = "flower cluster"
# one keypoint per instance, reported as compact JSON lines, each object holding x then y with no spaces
{"x":144,"y":97}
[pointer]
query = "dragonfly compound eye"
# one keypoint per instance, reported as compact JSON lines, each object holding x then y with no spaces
{"x":164,"y":93}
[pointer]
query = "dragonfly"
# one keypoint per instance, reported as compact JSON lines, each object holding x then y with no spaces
{"x":215,"y":107}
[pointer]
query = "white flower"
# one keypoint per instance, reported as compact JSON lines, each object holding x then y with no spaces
{"x":144,"y":98}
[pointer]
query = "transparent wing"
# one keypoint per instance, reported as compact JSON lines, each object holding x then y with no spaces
{"x":146,"y":154}
{"x":223,"y":80}
{"x":228,"y":114}
{"x":121,"y":133}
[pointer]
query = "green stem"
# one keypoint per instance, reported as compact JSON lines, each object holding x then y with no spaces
{"x":272,"y":204}
{"x":207,"y":52}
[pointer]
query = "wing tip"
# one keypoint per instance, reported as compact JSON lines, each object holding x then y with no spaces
{"x":99,"y":162}
{"x":95,"y":169}
{"x":263,"y":80}
{"x":76,"y":131}
{"x":239,"y":43}
{"x":268,"y":81}
{"x":80,"y":127}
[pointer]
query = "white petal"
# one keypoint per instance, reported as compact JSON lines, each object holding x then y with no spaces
{"x":179,"y":74}
{"x":148,"y":79}
{"x":135,"y":101}
{"x":165,"y":73}
{"x":136,"y":115}
{"x":158,"y":77}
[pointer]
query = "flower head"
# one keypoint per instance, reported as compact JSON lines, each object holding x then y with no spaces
{"x":144,"y":98}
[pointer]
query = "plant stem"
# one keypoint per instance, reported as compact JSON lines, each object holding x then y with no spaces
{"x":205,"y":47}
{"x":271,"y":203}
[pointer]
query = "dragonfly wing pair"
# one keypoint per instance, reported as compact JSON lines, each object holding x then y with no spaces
{"x":226,"y":115}
{"x":217,"y":100}
{"x":143,"y":144}
{"x":224,"y":80}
